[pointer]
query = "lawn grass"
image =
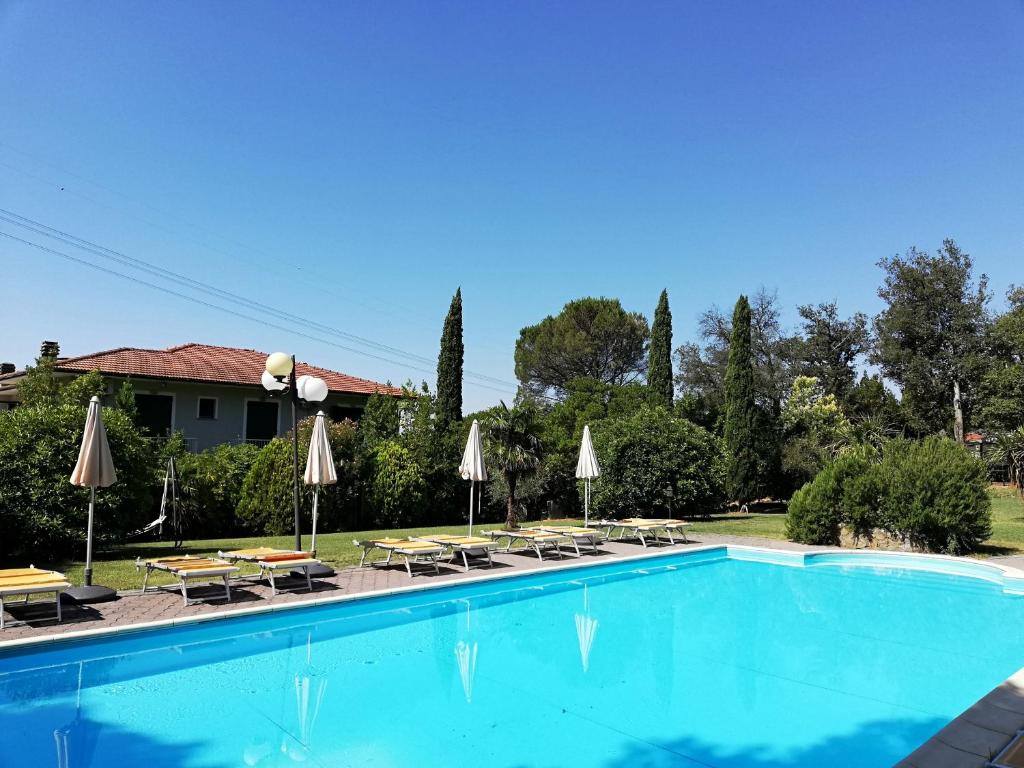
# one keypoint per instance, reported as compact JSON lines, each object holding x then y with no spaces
{"x":116,"y":567}
{"x":1007,"y":523}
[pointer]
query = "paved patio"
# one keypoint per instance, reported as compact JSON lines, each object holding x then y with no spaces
{"x":133,"y":607}
{"x":969,"y":741}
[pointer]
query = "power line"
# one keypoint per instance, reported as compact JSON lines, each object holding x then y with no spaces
{"x":218,"y":293}
{"x":220,"y":308}
{"x":317,"y":283}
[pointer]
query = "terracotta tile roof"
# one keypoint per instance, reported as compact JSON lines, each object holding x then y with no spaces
{"x":207,"y":363}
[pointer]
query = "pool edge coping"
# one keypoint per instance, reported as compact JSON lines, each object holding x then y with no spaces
{"x":801,"y":555}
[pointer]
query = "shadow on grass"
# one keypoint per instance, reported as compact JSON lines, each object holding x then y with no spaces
{"x":994,"y":550}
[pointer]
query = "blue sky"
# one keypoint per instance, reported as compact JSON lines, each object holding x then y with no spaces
{"x":356,"y":162}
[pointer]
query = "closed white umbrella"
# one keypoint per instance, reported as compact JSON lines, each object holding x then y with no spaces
{"x":95,"y":469}
{"x":320,"y":468}
{"x":472,"y":467}
{"x":587,"y":469}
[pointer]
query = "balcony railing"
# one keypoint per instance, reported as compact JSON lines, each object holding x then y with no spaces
{"x":255,"y":441}
{"x":191,"y":443}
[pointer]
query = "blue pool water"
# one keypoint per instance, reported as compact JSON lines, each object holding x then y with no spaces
{"x":685,"y":660}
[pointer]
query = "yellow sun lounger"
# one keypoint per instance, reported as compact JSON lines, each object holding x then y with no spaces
{"x":527,"y":538}
{"x":412,"y":552}
{"x":30,"y":581}
{"x":645,"y":530}
{"x":588,"y":537}
{"x":272,"y":560}
{"x":188,"y":567}
{"x":467,"y":546}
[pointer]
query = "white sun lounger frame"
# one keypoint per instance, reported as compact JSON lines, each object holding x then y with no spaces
{"x":587,"y":538}
{"x":411,"y":556}
{"x":628,"y":531}
{"x":27,"y":590}
{"x":530,"y":542}
{"x":183,"y":575}
{"x":268,"y":568}
{"x":479,"y":551}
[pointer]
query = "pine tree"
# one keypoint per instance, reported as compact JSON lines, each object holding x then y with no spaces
{"x":659,"y":369}
{"x":449,"y":366}
{"x":741,"y":413}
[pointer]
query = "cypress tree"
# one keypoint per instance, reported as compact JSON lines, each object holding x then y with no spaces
{"x":449,"y":365}
{"x":659,"y":369}
{"x":741,"y":414}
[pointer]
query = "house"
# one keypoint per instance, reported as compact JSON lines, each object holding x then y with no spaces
{"x":210,"y":394}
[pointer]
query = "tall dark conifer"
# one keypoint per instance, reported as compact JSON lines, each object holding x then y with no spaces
{"x":449,"y":365}
{"x":659,"y":368}
{"x":741,"y":416}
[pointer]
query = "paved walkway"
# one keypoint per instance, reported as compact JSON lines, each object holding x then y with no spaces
{"x":133,"y":607}
{"x":967,"y":742}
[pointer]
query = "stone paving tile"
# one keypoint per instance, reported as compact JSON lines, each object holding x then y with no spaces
{"x":132,"y":607}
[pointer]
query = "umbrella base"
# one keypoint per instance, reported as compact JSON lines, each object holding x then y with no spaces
{"x":91,"y":594}
{"x":315,"y":572}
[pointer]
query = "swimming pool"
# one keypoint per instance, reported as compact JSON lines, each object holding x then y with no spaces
{"x":715,"y":657}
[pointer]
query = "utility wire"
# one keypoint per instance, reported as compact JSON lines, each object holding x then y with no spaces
{"x":317,"y":283}
{"x":160,"y":272}
{"x":220,"y":308}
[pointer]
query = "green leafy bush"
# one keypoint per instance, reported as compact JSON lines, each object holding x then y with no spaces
{"x":211,"y":488}
{"x":935,"y":495}
{"x":396,"y":485}
{"x":655,"y":464}
{"x":266,"y":504}
{"x":928,"y":493}
{"x":42,"y":515}
{"x":817,"y":512}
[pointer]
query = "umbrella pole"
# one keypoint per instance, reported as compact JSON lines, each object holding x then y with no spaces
{"x":316,"y":498}
{"x":586,"y":504}
{"x":88,"y":538}
{"x":472,"y":483}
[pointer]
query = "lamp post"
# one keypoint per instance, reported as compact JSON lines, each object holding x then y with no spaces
{"x":307,"y":389}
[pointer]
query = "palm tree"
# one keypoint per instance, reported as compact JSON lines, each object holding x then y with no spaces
{"x":1009,"y":452}
{"x":513,"y":446}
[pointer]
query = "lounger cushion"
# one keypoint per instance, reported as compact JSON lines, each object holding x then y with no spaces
{"x":285,"y":556}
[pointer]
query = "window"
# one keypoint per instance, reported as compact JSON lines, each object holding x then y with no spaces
{"x":341,"y":412}
{"x":260,"y":421}
{"x":156,"y":414}
{"x":207,"y":408}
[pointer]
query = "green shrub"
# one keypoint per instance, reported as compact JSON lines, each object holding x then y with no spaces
{"x":42,"y":515}
{"x":935,"y":495}
{"x":817,"y":511}
{"x":266,"y":505}
{"x":396,"y":484}
{"x":656,"y":464}
{"x":211,"y":489}
{"x":929,"y":493}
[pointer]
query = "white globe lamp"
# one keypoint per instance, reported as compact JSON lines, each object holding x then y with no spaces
{"x":279,"y":365}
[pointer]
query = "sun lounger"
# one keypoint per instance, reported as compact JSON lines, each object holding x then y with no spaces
{"x":667,"y":524}
{"x":271,"y":560}
{"x":467,"y":546}
{"x":645,"y":530}
{"x":527,"y":538}
{"x":588,"y":537}
{"x":413,"y":552}
{"x":30,"y":581}
{"x":188,"y":567}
